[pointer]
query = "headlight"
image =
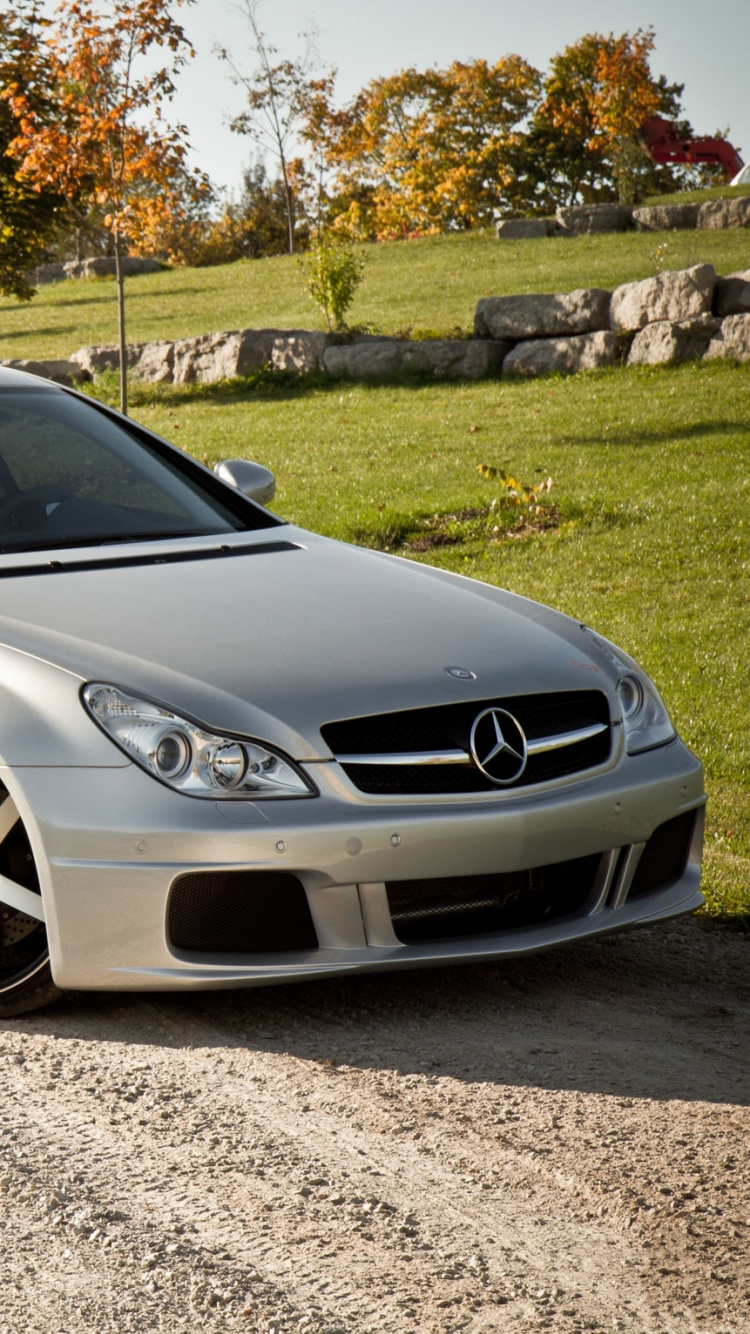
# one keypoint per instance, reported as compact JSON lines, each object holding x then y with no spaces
{"x":186,"y":757}
{"x":645,"y":718}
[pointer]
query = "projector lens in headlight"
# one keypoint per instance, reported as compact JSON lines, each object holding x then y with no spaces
{"x":644,"y":715}
{"x":186,"y":756}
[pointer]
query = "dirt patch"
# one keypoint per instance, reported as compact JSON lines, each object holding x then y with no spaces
{"x":557,"y":1143}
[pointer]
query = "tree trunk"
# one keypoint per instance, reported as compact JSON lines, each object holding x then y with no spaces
{"x":121,"y":326}
{"x":289,"y":201}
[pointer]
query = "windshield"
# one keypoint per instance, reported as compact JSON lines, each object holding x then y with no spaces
{"x":71,"y":476}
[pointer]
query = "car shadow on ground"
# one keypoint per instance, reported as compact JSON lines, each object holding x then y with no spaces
{"x":659,"y":1013}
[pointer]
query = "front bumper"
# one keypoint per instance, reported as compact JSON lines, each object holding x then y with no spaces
{"x":109,"y":844}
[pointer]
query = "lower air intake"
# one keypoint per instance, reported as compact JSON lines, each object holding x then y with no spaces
{"x":478,"y":905}
{"x":665,"y":856}
{"x":240,"y":912}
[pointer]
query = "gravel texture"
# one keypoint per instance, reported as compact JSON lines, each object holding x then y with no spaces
{"x":557,"y":1143}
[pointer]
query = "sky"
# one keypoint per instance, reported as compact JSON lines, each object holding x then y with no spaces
{"x":704,"y":45}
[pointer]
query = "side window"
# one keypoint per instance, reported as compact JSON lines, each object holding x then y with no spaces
{"x":40,"y":451}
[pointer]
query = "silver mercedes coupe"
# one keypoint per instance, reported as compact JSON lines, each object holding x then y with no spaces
{"x":236,"y":753}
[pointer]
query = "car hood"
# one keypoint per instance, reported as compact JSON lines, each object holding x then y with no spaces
{"x":284,"y":634}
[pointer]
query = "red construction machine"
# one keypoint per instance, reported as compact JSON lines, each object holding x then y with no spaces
{"x":666,"y":144}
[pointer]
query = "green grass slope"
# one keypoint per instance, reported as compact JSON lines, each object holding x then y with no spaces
{"x":431,"y":285}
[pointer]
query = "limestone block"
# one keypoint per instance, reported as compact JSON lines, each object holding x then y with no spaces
{"x":732,"y":341}
{"x":47,"y":273}
{"x":207,"y":359}
{"x":469,"y":359}
{"x":665,"y":344}
{"x":299,"y":350}
{"x":106,"y":357}
{"x":62,"y":372}
{"x":582,"y":352}
{"x":587,"y":219}
{"x":732,"y":296}
{"x":717,"y":214}
{"x":671,"y":296}
{"x":515,"y":317}
{"x":523,"y":229}
{"x":372,"y":358}
{"x":666,"y":217}
{"x":156,"y":363}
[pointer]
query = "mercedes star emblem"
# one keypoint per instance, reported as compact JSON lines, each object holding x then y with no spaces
{"x":498,"y":746}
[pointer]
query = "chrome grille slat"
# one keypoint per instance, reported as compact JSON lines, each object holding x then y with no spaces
{"x":421,"y":757}
{"x":428,"y":751}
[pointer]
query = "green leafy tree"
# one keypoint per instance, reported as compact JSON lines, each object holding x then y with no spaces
{"x":333,"y":272}
{"x":29,"y":216}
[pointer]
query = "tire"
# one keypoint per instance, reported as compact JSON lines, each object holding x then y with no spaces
{"x":25,"y":976}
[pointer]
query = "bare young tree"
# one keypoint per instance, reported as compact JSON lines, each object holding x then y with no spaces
{"x":278,"y":96}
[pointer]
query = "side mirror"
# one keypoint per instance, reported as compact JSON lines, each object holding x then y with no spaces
{"x":252,"y":479}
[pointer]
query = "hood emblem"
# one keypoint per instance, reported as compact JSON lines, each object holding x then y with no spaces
{"x":460,"y":673}
{"x":498,"y":746}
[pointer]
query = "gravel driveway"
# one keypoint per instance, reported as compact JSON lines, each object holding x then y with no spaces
{"x":559,"y":1143}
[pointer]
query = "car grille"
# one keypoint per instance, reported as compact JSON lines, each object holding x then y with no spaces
{"x":431,"y":747}
{"x":240,"y":912}
{"x":475,"y":905}
{"x":665,"y":856}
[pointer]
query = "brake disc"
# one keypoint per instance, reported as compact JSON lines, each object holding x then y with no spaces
{"x":16,"y":926}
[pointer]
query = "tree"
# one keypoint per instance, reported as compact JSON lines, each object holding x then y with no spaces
{"x":582,"y":145}
{"x":108,"y":142}
{"x":28,"y":217}
{"x":278,"y":96}
{"x":427,"y":150}
{"x":625,"y":97}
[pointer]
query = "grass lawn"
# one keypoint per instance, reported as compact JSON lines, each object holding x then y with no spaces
{"x":429,"y":286}
{"x":700,"y":196}
{"x":650,"y":471}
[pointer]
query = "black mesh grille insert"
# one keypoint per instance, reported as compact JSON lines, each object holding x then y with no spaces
{"x":240,"y":912}
{"x":665,"y":856}
{"x":448,"y":727}
{"x":477,"y":905}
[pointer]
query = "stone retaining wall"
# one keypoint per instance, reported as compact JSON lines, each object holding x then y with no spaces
{"x":664,"y":320}
{"x":101,"y":266}
{"x":589,"y":219}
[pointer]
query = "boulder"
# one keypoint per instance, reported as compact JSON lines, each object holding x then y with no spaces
{"x":155,"y":364}
{"x":666,"y":217}
{"x":515,"y":317}
{"x":668,"y":296}
{"x":732,"y":295}
{"x":665,"y":344}
{"x":62,"y":372}
{"x":524,"y":229}
{"x":103,"y":266}
{"x":717,"y":214}
{"x":732,"y":341}
{"x":300,"y":350}
{"x":47,"y":273}
{"x":468,"y":359}
{"x":587,"y":219}
{"x":378,"y":356}
{"x":94,"y":360}
{"x":207,"y":359}
{"x":582,"y":352}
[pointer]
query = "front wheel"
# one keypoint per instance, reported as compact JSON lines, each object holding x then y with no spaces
{"x":25,"y":975}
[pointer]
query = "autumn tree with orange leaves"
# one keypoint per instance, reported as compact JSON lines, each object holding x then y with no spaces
{"x":108,"y":142}
{"x":425,"y":151}
{"x":29,"y":218}
{"x":582,"y":144}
